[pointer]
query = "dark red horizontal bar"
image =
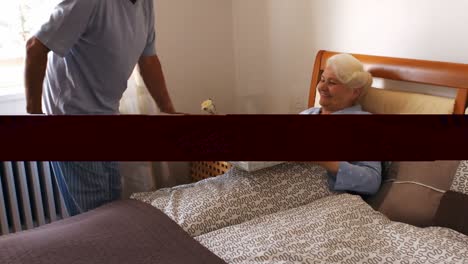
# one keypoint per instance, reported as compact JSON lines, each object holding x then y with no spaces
{"x":235,"y":137}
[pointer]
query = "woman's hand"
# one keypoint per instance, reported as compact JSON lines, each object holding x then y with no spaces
{"x":330,"y":166}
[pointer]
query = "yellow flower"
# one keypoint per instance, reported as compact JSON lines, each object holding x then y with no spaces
{"x":208,"y":106}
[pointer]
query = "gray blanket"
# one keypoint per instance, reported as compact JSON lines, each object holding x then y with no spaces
{"x":121,"y":232}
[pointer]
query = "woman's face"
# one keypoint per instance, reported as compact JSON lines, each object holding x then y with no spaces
{"x":335,"y":96}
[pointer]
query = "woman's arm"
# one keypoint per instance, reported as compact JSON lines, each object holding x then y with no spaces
{"x":363,"y":177}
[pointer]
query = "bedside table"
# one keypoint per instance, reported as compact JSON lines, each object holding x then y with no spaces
{"x":200,"y":170}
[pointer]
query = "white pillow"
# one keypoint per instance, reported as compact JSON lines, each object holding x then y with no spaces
{"x":386,"y":101}
{"x":254,"y":165}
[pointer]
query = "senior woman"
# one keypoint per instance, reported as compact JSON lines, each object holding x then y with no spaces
{"x":342,"y":83}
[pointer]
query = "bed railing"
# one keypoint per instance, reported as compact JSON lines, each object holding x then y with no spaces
{"x":29,"y":196}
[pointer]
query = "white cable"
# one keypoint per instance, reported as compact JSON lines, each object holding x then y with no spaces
{"x":417,"y":183}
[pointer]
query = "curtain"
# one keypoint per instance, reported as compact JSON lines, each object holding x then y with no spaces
{"x":147,"y":176}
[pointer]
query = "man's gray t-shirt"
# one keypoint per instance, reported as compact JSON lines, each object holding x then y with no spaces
{"x":96,"y":45}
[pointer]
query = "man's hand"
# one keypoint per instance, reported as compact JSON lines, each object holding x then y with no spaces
{"x":152,"y":74}
{"x":34,"y":72}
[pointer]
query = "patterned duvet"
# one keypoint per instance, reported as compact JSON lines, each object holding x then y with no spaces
{"x":239,"y":196}
{"x":286,"y":214}
{"x":336,"y":229}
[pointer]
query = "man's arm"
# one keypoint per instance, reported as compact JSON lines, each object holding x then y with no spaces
{"x":34,"y":72}
{"x":152,"y":74}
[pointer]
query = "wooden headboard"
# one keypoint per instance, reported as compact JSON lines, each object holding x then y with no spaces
{"x":444,"y":74}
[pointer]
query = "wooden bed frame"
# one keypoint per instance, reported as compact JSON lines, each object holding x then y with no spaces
{"x":444,"y":74}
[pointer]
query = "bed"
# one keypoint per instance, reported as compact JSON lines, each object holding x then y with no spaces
{"x":287,"y":213}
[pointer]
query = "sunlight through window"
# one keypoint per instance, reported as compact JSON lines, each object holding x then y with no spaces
{"x":19,"y":20}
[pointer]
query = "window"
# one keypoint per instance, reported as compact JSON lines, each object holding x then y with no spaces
{"x":19,"y":19}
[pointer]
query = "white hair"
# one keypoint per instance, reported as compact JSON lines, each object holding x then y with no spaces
{"x":350,"y":71}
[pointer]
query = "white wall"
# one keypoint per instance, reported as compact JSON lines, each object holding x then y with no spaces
{"x":14,"y":104}
{"x":273,"y":54}
{"x":276,"y":41}
{"x":195,"y":46}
